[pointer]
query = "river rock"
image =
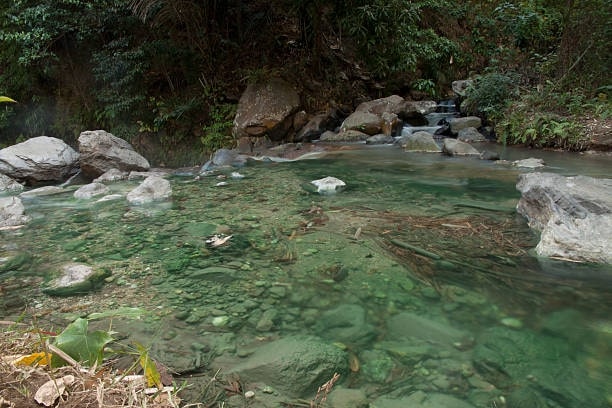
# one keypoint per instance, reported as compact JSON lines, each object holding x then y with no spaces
{"x":344,"y":136}
{"x":364,"y":122}
{"x":456,"y":124}
{"x":295,"y":366}
{"x":516,"y":358}
{"x":91,"y":190}
{"x":102,"y":151}
{"x":328,"y":185}
{"x":420,"y":142}
{"x":224,"y":158}
{"x":530,"y":163}
{"x":153,"y":188}
{"x":379,"y":139}
{"x":470,"y":135}
{"x":75,"y":279}
{"x":266,"y":109}
{"x":42,"y":191}
{"x":12,"y":212}
{"x":314,"y":128}
{"x":574,"y":215}
{"x":454,"y":147}
{"x":408,"y":325}
{"x":41,"y":158}
{"x":341,"y":397}
{"x":345,"y":324}
{"x":389,"y":104}
{"x":8,"y":184}
{"x":420,"y":399}
{"x":112,"y":175}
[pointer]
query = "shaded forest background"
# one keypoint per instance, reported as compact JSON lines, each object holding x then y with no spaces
{"x":167,"y":75}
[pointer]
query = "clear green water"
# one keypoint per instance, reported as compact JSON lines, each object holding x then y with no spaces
{"x":294,"y":256}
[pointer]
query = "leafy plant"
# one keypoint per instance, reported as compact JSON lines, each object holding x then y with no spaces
{"x":218,"y":134}
{"x":78,"y":343}
{"x":490,"y":93}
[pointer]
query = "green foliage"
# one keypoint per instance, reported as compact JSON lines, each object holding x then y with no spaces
{"x":217,"y":133}
{"x":490,"y":93}
{"x":427,"y":86}
{"x":78,"y":343}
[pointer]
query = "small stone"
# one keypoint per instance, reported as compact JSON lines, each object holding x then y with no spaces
{"x":249,"y":394}
{"x":220,"y":321}
{"x":512,"y":322}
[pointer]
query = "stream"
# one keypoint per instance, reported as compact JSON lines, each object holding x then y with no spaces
{"x":420,"y":270}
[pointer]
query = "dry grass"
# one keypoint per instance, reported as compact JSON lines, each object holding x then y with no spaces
{"x":101,"y":388}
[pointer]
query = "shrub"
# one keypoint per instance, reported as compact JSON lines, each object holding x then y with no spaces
{"x":489,"y":94}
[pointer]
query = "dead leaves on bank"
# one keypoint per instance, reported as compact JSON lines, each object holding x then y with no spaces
{"x":27,"y":381}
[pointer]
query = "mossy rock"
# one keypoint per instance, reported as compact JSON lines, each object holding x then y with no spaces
{"x":75,"y":279}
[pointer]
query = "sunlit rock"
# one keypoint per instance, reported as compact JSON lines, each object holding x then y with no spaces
{"x":41,"y":158}
{"x":102,"y":151}
{"x":328,"y":185}
{"x":470,"y":135}
{"x":574,"y":215}
{"x":12,"y":212}
{"x":42,"y":191}
{"x":112,"y":175}
{"x":91,"y":190}
{"x":75,"y":279}
{"x":530,"y":163}
{"x":153,"y":188}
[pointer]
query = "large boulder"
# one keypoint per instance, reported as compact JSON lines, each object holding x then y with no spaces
{"x":295,"y":366}
{"x":574,"y":215}
{"x":344,"y":136}
{"x":102,"y":151}
{"x":456,"y":124}
{"x":12,"y":212}
{"x":41,"y":158}
{"x":266,"y":109}
{"x":365,"y":122}
{"x":75,"y":279}
{"x":153,"y":188}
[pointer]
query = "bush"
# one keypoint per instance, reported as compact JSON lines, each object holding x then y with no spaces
{"x":489,"y":94}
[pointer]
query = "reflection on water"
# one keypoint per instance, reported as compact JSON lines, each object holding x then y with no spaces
{"x":420,"y":269}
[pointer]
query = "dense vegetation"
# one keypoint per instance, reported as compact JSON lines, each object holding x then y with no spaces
{"x":167,"y":73}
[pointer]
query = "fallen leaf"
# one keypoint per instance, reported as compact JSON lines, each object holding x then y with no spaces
{"x":50,"y":391}
{"x":34,"y":359}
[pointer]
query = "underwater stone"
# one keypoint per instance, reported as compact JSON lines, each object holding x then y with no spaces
{"x":75,"y":279}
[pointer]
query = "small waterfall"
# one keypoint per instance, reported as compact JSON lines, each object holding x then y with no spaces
{"x":445,"y":110}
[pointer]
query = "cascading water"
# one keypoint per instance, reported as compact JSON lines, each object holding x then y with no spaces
{"x":436,"y":121}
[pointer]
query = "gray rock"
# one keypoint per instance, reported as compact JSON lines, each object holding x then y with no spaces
{"x":75,"y":279}
{"x":453,"y":147}
{"x":574,"y":215}
{"x":295,"y":366}
{"x":470,"y":135}
{"x":102,"y":151}
{"x":328,"y":185}
{"x":151,"y":189}
{"x":224,"y":158}
{"x":420,"y":399}
{"x":507,"y":357}
{"x":8,"y":184}
{"x":12,"y":212}
{"x":345,"y":324}
{"x":344,"y":136}
{"x":313,"y":128}
{"x":489,"y":155}
{"x":389,"y":104}
{"x":266,"y":109}
{"x":456,"y":124}
{"x":420,"y":142}
{"x":530,"y":163}
{"x":41,"y":158}
{"x":364,"y":122}
{"x":112,"y":175}
{"x":409,"y":108}
{"x":91,"y":190}
{"x":408,"y":325}
{"x":380,"y":139}
{"x":42,"y":191}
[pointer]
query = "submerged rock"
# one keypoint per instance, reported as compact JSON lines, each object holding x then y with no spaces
{"x":454,"y":147}
{"x":91,"y":190}
{"x":420,"y":399}
{"x":295,"y":366}
{"x":75,"y":279}
{"x":530,"y":163}
{"x":574,"y":215}
{"x":41,"y":158}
